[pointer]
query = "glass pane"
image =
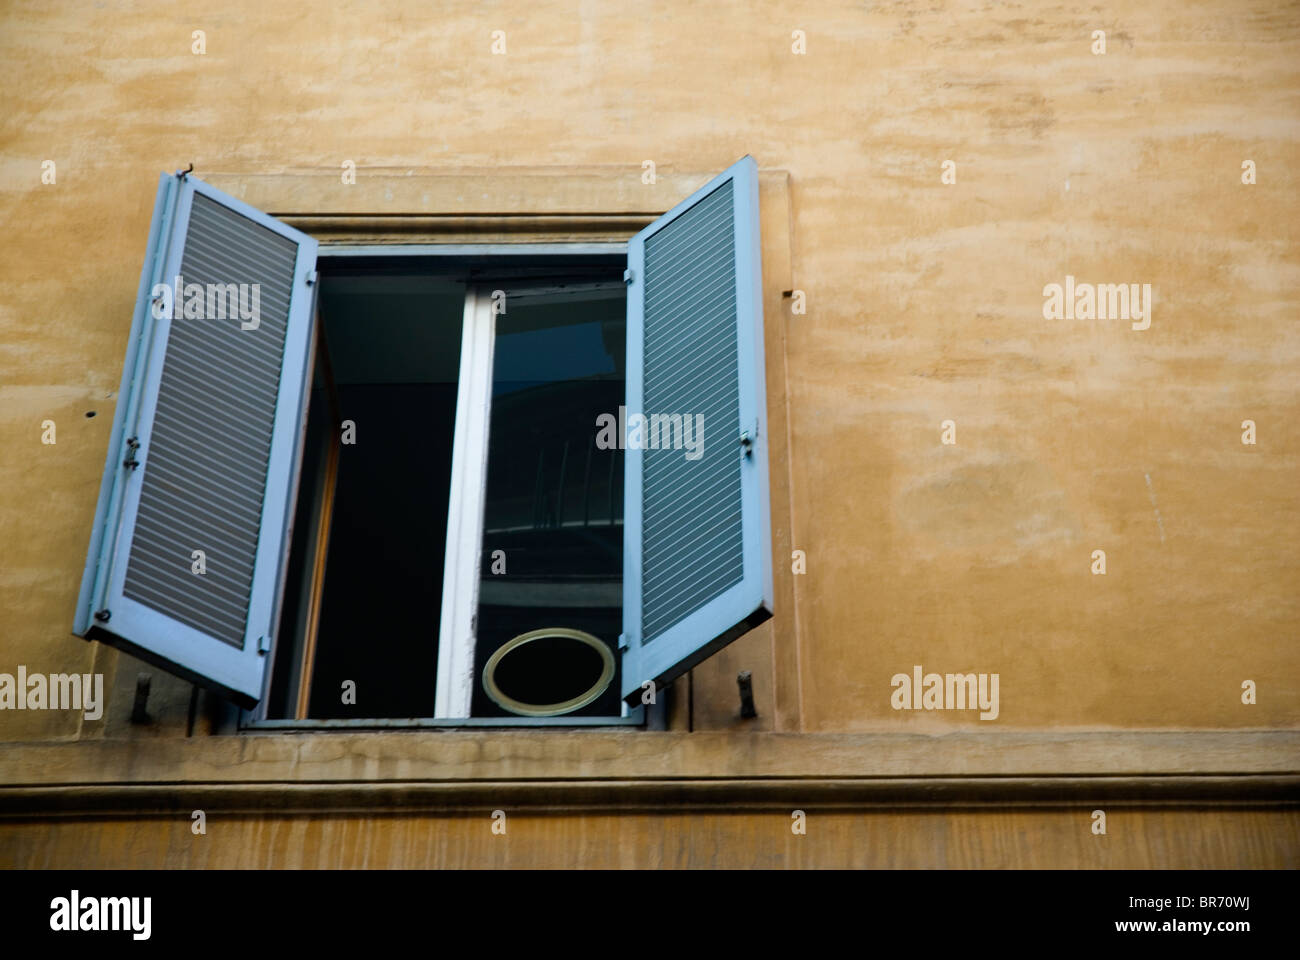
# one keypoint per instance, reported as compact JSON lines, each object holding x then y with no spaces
{"x":553,"y":520}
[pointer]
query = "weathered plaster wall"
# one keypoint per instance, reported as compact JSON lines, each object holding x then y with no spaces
{"x":1028,"y":839}
{"x":924,"y":300}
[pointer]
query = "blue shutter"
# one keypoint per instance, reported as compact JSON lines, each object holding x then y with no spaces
{"x":203,"y":447}
{"x":697,"y":549}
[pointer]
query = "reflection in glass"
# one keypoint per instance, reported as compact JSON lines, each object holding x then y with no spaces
{"x":553,"y":520}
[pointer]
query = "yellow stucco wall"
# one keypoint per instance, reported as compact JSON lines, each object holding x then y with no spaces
{"x":697,"y":840}
{"x":924,"y":304}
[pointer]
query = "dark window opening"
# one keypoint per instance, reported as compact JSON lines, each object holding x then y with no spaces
{"x":365,"y":573}
{"x":362,"y":604}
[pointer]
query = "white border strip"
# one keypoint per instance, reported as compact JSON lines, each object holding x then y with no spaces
{"x":456,"y":638}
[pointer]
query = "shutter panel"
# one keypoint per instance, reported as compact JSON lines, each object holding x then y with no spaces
{"x":210,"y":410}
{"x":697,"y":570}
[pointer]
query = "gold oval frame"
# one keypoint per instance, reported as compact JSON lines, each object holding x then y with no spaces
{"x":499,"y":697}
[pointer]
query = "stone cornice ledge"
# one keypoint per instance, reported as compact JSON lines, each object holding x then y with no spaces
{"x":637,"y":770}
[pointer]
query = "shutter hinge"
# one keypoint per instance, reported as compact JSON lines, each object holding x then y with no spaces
{"x":263,"y":644}
{"x":622,"y":641}
{"x":748,"y":438}
{"x":132,"y":445}
{"x":628,"y":276}
{"x":311,"y":277}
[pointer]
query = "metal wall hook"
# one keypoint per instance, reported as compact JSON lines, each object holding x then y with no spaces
{"x":140,"y":708}
{"x":744,"y":681}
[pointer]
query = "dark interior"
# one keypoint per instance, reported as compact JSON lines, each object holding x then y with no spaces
{"x":390,"y":344}
{"x":393,"y":346}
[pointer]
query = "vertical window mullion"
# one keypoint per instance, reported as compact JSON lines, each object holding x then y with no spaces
{"x":456,"y":640}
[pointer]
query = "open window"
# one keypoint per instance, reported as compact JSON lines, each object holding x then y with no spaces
{"x":400,"y":484}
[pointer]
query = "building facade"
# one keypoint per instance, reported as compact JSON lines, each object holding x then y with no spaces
{"x":1018,"y":586}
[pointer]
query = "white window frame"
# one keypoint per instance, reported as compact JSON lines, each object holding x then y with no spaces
{"x":457,"y":635}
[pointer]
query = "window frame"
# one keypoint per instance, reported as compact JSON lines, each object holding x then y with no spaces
{"x":456,"y":636}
